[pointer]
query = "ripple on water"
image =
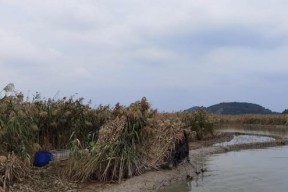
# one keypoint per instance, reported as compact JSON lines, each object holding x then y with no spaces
{"x":242,"y":139}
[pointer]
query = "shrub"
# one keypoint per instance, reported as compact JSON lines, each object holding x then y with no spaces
{"x":199,"y":121}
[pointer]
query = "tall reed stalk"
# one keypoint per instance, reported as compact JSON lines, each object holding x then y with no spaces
{"x":115,"y":156}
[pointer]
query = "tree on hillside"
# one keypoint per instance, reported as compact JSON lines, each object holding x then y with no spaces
{"x":285,"y":111}
{"x":234,"y":108}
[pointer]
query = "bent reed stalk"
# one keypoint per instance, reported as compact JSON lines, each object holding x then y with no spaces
{"x":115,"y":156}
{"x":136,"y":139}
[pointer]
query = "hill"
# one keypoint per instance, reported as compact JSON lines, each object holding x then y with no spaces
{"x":236,"y":108}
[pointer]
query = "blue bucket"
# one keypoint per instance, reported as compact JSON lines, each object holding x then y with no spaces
{"x":42,"y":158}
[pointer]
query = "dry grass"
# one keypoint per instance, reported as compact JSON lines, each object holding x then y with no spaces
{"x":165,"y":131}
{"x":26,"y":126}
{"x":274,"y":119}
{"x":138,"y":138}
{"x":12,"y":169}
{"x":131,"y":139}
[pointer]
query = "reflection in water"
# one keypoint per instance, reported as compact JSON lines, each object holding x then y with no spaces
{"x":258,"y":170}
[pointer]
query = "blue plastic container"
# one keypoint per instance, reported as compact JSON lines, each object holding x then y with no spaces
{"x":42,"y":158}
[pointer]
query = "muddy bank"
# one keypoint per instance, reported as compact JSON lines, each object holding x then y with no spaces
{"x":155,"y":180}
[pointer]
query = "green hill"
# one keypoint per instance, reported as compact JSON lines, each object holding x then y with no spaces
{"x":236,"y":108}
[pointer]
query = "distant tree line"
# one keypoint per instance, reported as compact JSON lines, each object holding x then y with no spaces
{"x":235,"y":108}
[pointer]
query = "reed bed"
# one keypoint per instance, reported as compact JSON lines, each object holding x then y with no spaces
{"x":27,"y":125}
{"x":138,"y":138}
{"x":271,"y":119}
{"x":166,"y":130}
{"x":107,"y":144}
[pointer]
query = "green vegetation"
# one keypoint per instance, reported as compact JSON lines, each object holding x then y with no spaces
{"x":115,"y":155}
{"x":107,"y":143}
{"x":26,"y":126}
{"x":235,"y":108}
{"x":136,"y":138}
{"x":285,"y":111}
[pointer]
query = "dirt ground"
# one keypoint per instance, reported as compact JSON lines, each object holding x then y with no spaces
{"x":154,"y":180}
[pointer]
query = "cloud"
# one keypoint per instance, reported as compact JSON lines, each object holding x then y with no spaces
{"x":177,"y":53}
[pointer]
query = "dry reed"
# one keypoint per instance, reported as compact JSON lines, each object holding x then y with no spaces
{"x":136,"y":139}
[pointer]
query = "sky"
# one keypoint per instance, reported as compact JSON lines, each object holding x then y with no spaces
{"x":176,"y":53}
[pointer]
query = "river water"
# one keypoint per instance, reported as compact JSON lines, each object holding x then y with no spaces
{"x":261,"y":170}
{"x":256,"y":170}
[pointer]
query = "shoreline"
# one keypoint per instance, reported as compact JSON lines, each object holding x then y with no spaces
{"x":153,"y":181}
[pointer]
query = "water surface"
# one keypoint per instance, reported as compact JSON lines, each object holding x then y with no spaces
{"x":257,"y":170}
{"x":241,"y":139}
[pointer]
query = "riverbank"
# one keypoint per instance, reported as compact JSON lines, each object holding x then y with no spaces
{"x":155,"y":180}
{"x":49,"y":178}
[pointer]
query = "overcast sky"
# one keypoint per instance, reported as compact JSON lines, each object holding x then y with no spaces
{"x":177,"y":53}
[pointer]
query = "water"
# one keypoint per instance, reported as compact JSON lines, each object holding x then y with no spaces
{"x":241,"y":139}
{"x":258,"y":170}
